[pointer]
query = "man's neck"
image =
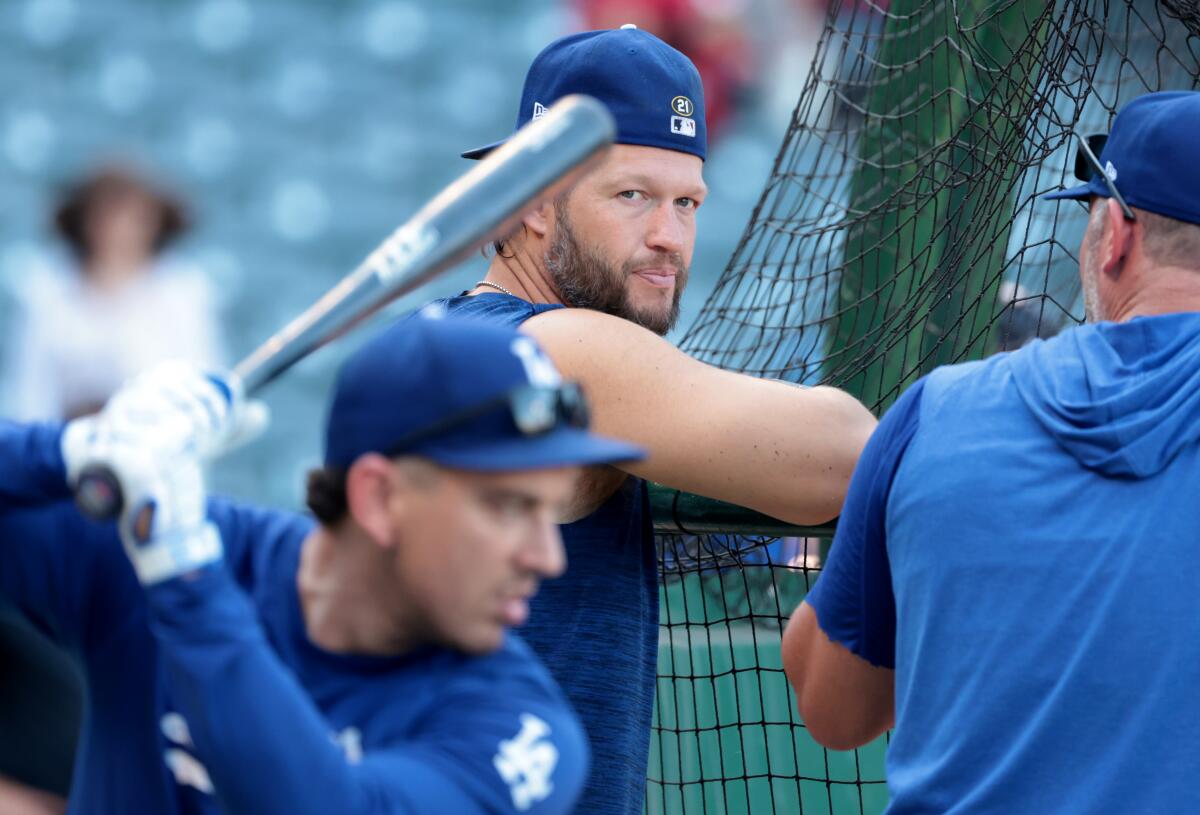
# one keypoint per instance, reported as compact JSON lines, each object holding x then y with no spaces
{"x":348,"y":596}
{"x":521,"y":274}
{"x":1168,"y":290}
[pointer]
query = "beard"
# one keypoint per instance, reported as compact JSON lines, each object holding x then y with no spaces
{"x":586,"y":279}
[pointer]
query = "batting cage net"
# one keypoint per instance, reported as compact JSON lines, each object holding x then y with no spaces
{"x":901,"y":229}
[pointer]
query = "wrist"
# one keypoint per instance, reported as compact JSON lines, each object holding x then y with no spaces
{"x":174,"y":552}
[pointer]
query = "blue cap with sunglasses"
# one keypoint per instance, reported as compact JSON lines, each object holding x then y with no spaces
{"x":1150,"y":159}
{"x":652,"y":90}
{"x":465,"y":394}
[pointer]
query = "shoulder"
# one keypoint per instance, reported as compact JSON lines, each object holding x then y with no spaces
{"x":44,"y":284}
{"x":581,"y":340}
{"x":513,"y":666}
{"x":491,"y":306}
{"x":585,"y":323}
{"x":255,"y":538}
{"x":965,"y":385}
{"x":513,"y":682}
{"x":500,"y":718}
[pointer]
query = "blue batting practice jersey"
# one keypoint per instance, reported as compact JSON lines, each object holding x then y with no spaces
{"x":596,"y":627}
{"x":205,"y":694}
{"x":1019,"y":543}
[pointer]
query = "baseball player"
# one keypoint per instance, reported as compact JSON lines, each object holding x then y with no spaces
{"x":1013,"y":583}
{"x":615,"y":252}
{"x":252,"y":661}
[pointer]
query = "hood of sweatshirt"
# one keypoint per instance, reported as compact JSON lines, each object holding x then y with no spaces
{"x":1122,"y":398}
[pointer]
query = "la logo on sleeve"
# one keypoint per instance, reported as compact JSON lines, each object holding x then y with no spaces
{"x":186,"y":768}
{"x":527,"y":761}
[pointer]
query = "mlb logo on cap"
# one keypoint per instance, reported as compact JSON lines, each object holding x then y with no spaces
{"x":683,"y":126}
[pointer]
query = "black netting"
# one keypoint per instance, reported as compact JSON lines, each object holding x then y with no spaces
{"x":901,"y":228}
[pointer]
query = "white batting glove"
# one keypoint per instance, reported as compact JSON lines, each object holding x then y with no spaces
{"x":180,"y":405}
{"x":153,"y":435}
{"x":163,"y":524}
{"x":172,"y":407}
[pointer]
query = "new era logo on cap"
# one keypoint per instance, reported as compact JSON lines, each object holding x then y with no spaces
{"x":1153,"y":142}
{"x":539,"y":110}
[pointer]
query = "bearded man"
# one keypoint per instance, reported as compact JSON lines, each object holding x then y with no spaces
{"x":596,"y":276}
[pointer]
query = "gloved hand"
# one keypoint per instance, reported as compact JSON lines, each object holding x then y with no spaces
{"x":163,"y":524}
{"x":179,"y":405}
{"x":154,"y":435}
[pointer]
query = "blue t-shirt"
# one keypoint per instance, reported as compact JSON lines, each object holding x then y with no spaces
{"x":1019,"y":544}
{"x":205,"y":694}
{"x":596,"y":627}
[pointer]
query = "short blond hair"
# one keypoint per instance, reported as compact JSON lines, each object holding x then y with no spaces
{"x":1170,"y":242}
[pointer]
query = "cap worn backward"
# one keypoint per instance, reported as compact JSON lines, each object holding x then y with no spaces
{"x":421,"y":370}
{"x":652,"y":90}
{"x":1152,"y":156}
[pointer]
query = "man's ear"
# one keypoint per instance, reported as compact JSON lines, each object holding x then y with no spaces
{"x":371,"y":485}
{"x":1117,"y":239}
{"x":539,"y":221}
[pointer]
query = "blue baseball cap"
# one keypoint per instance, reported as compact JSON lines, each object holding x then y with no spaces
{"x":652,"y":90}
{"x":1152,"y":156}
{"x":465,"y":394}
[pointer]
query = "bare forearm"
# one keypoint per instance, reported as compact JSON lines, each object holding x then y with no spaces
{"x":845,"y":701}
{"x":778,"y":448}
{"x":785,"y":451}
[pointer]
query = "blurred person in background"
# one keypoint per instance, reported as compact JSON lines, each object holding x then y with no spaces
{"x":118,"y":307}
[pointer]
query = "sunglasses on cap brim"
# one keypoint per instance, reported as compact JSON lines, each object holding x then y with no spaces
{"x":534,"y":410}
{"x":1087,"y":165}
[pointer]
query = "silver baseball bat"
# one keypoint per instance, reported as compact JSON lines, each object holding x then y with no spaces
{"x":541,"y":160}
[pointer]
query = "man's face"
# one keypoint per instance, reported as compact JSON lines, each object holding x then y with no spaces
{"x":473,"y":548}
{"x":622,"y":240}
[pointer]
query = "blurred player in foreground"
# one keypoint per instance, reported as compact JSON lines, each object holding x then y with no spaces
{"x":616,"y":251}
{"x":1014,"y":577}
{"x":254,"y":661}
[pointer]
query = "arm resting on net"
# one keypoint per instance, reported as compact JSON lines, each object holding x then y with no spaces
{"x":781,"y":449}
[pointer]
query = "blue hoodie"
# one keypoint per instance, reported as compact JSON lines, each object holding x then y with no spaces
{"x":1021,"y":543}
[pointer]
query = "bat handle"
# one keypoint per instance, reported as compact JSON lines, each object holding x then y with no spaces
{"x":98,"y":493}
